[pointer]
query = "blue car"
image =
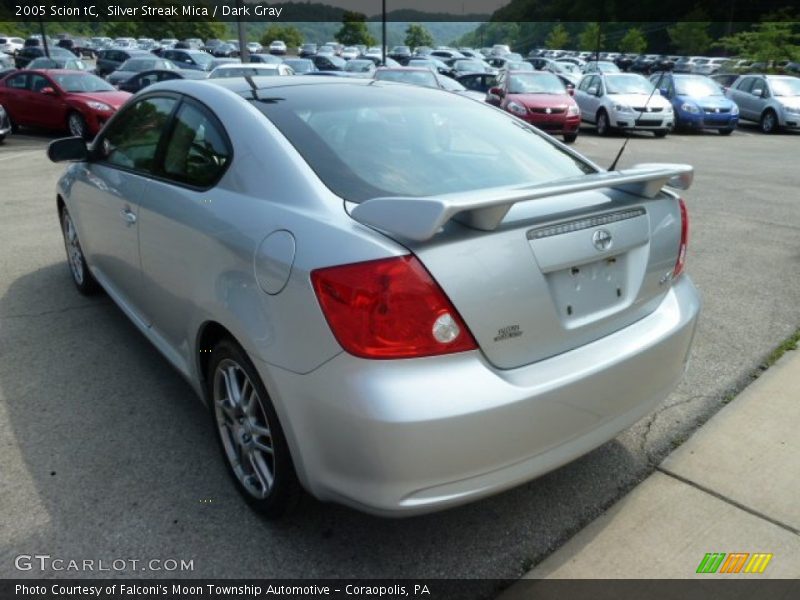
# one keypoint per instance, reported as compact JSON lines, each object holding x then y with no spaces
{"x":698,"y":101}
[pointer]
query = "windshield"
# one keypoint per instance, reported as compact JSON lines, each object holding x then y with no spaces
{"x":138,"y":64}
{"x":473,"y":66}
{"x":201,"y":58}
{"x":77,"y":82}
{"x":603,"y":67}
{"x":426,"y":78}
{"x":221,"y":72}
{"x":535,"y":83}
{"x":359,"y":66}
{"x":696,"y":86}
{"x":441,"y":143}
{"x":628,"y":84}
{"x":300,"y":65}
{"x":785,"y":86}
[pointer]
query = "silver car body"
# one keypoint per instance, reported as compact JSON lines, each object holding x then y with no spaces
{"x":561,"y":366}
{"x":755,"y":95}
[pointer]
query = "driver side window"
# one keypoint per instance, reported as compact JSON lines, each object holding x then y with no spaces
{"x":131,"y":141}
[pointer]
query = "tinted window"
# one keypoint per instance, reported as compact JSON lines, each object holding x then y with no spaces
{"x":441,"y":143}
{"x":38,"y":83}
{"x":197,"y":150}
{"x":18,"y":82}
{"x":132,"y":139}
{"x":746,"y":84}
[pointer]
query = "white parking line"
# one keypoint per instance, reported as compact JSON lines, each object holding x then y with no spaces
{"x":19,"y":154}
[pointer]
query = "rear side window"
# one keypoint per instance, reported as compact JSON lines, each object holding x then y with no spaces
{"x":17,"y":82}
{"x":197,"y":150}
{"x":132,"y":139}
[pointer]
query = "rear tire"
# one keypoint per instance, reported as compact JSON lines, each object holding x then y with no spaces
{"x":602,"y":123}
{"x":769,"y":121}
{"x":249,"y":433}
{"x":726,"y":131}
{"x":570,"y":137}
{"x":660,"y":133}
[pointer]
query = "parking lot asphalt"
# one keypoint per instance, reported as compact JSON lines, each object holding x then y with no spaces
{"x":106,"y":453}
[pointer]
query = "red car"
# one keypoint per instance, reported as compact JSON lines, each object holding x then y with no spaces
{"x":60,"y":99}
{"x":540,"y":98}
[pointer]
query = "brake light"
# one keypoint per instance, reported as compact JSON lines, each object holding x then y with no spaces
{"x":389,"y":308}
{"x":681,"y":262}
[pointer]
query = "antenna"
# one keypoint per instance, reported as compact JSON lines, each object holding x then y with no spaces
{"x":656,"y":86}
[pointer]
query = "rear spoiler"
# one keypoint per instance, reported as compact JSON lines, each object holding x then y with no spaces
{"x":421,"y":218}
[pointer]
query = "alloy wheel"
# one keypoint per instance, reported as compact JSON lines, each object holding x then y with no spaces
{"x":244,"y":429}
{"x":77,"y":126}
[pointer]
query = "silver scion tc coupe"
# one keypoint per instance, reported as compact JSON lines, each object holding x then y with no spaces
{"x":392,"y":296}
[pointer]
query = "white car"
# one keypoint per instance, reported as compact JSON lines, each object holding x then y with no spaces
{"x":11,"y":45}
{"x":250,"y":69}
{"x":350,"y":52}
{"x":623,"y":101}
{"x":254,"y":47}
{"x":277,"y":47}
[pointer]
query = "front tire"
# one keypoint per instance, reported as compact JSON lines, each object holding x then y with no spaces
{"x":77,"y":125}
{"x":603,"y":125}
{"x":249,"y":433}
{"x":769,"y":121}
{"x":81,"y":276}
{"x":726,"y":131}
{"x":660,"y":133}
{"x":569,"y":138}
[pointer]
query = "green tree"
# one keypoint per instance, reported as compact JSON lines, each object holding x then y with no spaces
{"x":558,"y":37}
{"x":770,"y":41}
{"x":417,"y":35}
{"x":633,"y":41}
{"x":691,"y":36}
{"x":588,"y":38}
{"x":286,"y":33}
{"x":354,"y":30}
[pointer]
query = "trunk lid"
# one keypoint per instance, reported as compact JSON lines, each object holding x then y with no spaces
{"x":556,"y":273}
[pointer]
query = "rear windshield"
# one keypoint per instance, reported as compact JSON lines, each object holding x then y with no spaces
{"x":390,"y":140}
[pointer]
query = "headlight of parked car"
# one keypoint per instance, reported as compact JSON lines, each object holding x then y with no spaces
{"x":795,"y":110}
{"x":622,"y":108}
{"x":517,"y":109}
{"x":735,"y":110}
{"x":573,"y":111}
{"x":98,"y":105}
{"x":690,"y":108}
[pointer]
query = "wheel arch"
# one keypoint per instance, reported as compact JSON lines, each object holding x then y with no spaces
{"x":209,"y":335}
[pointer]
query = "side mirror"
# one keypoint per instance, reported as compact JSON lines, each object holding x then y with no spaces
{"x":48,"y":91}
{"x":496,"y":91}
{"x":758,"y":93}
{"x":571,"y":90}
{"x":71,"y":148}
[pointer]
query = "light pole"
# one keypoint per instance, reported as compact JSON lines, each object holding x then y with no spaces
{"x":243,"y":52}
{"x":383,"y":33}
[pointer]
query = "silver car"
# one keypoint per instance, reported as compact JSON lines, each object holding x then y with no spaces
{"x":392,"y":296}
{"x":772,"y":101}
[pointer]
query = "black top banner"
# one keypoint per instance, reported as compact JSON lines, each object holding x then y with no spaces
{"x":511,"y":11}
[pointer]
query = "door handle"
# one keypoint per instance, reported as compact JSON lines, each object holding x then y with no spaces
{"x":129,"y":217}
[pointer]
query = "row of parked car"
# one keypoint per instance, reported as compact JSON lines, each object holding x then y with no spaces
{"x":539,"y":90}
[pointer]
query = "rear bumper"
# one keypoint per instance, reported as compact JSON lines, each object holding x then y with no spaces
{"x":411,"y":436}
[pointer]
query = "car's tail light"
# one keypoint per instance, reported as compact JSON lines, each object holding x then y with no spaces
{"x":681,"y":262}
{"x":389,"y":308}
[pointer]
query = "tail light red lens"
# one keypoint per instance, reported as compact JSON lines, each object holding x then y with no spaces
{"x":390,"y":308}
{"x":681,"y":262}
